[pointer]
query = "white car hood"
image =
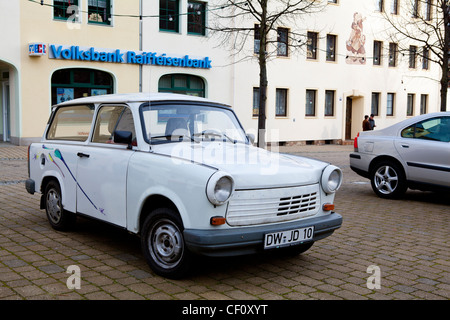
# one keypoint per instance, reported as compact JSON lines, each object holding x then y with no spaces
{"x":250,"y":167}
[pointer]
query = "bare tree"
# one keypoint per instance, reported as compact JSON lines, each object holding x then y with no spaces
{"x":241,"y":21}
{"x":424,"y":23}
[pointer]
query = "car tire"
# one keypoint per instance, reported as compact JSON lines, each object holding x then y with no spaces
{"x":388,"y":180}
{"x":58,"y":218}
{"x":163,"y":244}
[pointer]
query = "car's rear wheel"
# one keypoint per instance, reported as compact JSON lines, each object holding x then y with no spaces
{"x":388,"y":180}
{"x":58,"y":218}
{"x":163,"y":244}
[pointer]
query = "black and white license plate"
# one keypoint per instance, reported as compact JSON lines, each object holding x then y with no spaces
{"x":287,"y":238}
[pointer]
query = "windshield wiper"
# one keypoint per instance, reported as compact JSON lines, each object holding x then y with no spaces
{"x":171,"y":137}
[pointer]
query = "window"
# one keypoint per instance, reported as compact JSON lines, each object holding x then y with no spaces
{"x":183,"y":84}
{"x":415,"y":8}
{"x":255,"y":101}
{"x":436,"y":129}
{"x":394,"y":6}
{"x":428,"y":6}
{"x":331,"y":47}
{"x":329,"y":103}
{"x":71,"y":123}
{"x":379,"y":5}
{"x":311,"y":46}
{"x":377,"y":45}
{"x":282,"y":42}
{"x":425,"y":58}
{"x":375,"y":103}
{"x":169,"y":15}
{"x":257,"y":38}
{"x":390,"y":104}
{"x":423,"y":103}
{"x":68,"y":84}
{"x":412,"y":56}
{"x":62,"y":9}
{"x":392,"y":54}
{"x":196,"y":18}
{"x":281,"y":103}
{"x":410,"y":104}
{"x":99,"y":11}
{"x":310,"y":107}
{"x":110,"y":119}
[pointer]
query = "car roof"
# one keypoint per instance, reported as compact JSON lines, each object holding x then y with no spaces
{"x":394,"y":129}
{"x":138,"y":97}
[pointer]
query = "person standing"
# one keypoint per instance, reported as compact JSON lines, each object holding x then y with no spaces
{"x":372,"y":122}
{"x":366,"y":123}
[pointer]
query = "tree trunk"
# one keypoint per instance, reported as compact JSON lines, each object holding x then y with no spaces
{"x":262,"y":77}
{"x":444,"y":78}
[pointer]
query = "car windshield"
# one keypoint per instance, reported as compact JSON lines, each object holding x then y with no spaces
{"x":190,"y":122}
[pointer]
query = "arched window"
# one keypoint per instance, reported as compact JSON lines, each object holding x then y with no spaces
{"x":68,"y":84}
{"x":182,"y":83}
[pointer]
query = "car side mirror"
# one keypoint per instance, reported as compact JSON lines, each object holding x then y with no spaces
{"x":125,"y":137}
{"x":251,"y":137}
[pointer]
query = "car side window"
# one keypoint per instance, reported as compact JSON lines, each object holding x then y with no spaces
{"x":71,"y":123}
{"x":437,"y":129}
{"x":110,"y":119}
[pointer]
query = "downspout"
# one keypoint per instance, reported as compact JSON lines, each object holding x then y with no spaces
{"x":140,"y":44}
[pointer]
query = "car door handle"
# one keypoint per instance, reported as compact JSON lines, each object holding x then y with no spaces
{"x":405,"y":146}
{"x":82,"y":155}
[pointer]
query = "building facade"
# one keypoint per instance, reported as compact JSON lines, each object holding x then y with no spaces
{"x":346,"y":66}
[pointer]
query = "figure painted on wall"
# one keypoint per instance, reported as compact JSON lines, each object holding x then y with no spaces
{"x":356,"y":53}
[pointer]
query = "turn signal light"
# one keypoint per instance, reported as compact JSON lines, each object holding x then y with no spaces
{"x":328,"y":207}
{"x":217,"y":221}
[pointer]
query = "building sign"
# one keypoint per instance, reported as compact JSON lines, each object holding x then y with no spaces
{"x":37,"y":49}
{"x":131,"y":57}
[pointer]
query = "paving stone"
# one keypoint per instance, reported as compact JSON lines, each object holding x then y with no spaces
{"x":407,"y":239}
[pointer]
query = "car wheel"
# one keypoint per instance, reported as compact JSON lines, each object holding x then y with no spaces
{"x":58,"y":218}
{"x":388,"y":180}
{"x":163,"y":244}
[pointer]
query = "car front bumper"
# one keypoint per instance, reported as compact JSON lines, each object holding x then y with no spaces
{"x":249,"y":240}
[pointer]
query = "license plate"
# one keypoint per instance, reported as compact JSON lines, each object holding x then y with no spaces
{"x":288,"y":238}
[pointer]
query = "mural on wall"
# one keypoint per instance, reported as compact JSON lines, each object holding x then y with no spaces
{"x":356,"y":53}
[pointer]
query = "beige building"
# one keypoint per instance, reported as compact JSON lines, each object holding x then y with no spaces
{"x":32,"y":79}
{"x":347,"y":67}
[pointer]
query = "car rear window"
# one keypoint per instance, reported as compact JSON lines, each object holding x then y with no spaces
{"x":72,"y":123}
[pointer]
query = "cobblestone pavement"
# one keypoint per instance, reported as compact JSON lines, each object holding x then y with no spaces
{"x":407,"y":239}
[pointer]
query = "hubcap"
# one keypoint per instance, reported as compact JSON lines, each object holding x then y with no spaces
{"x":386,"y":179}
{"x":166,"y":244}
{"x":53,"y":206}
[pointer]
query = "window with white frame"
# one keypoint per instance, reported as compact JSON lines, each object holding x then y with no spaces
{"x":310,"y":105}
{"x":281,"y":102}
{"x":329,"y":102}
{"x":390,"y":104}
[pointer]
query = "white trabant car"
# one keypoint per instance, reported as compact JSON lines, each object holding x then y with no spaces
{"x":181,"y":173}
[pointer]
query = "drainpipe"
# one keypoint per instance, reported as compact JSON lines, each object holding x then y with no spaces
{"x":140,"y":44}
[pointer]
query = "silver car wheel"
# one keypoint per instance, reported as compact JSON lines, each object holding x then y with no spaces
{"x":54,"y":206}
{"x":386,"y":179}
{"x":166,"y":244}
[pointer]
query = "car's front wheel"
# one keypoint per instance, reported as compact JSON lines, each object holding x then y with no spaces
{"x":388,"y":180}
{"x":163,"y":244}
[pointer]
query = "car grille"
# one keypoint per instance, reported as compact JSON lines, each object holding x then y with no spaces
{"x":251,"y":207}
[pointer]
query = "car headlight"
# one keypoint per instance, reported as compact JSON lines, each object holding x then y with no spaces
{"x":220,"y":187}
{"x":331,"y":179}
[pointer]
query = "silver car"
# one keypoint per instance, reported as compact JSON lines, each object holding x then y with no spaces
{"x":414,"y":153}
